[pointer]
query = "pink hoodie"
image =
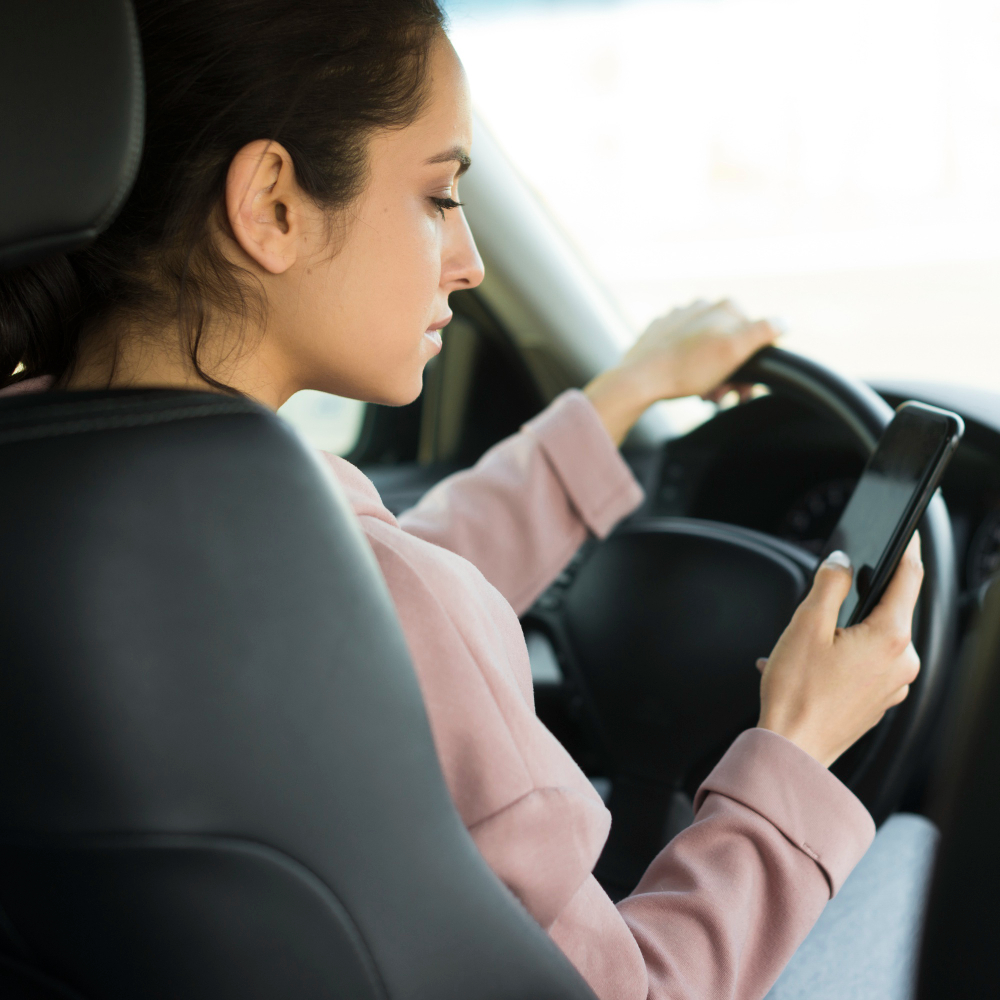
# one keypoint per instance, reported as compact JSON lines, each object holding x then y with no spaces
{"x":723,"y":906}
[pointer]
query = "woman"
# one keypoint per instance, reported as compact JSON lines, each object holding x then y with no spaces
{"x":296,"y":225}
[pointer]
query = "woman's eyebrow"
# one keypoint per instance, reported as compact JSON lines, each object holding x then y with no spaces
{"x":456,"y":153}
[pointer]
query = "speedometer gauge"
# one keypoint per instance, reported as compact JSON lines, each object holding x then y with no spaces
{"x":984,"y":551}
{"x":812,"y":517}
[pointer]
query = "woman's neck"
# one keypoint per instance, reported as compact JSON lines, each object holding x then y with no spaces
{"x":117,"y":355}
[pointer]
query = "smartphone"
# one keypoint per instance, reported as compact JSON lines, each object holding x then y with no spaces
{"x":894,"y":490}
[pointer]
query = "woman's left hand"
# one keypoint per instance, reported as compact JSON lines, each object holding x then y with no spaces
{"x":688,"y":352}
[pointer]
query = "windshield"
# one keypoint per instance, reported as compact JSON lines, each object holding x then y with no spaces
{"x":832,"y":162}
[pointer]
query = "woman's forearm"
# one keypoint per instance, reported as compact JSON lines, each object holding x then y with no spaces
{"x":619,"y":400}
{"x":524,"y":508}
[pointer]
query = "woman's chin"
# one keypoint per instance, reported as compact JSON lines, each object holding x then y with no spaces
{"x":397,"y":388}
{"x":400,"y":395}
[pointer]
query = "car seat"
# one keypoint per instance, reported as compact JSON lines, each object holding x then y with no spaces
{"x":960,"y":956}
{"x":216,"y":774}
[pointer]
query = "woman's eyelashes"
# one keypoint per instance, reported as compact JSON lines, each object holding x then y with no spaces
{"x":443,"y":204}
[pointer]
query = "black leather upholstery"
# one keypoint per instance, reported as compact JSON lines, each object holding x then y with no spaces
{"x":216,"y":772}
{"x":71,"y":110}
{"x":962,"y":927}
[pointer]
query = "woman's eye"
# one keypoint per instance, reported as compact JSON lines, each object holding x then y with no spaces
{"x":443,"y":204}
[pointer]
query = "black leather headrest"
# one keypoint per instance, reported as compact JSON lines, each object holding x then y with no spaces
{"x":71,"y":119}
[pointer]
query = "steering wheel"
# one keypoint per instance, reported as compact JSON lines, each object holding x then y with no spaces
{"x":659,"y":627}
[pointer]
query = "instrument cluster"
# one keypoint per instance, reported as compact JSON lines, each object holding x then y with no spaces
{"x":983,"y":558}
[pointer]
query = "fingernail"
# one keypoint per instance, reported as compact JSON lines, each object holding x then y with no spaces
{"x":779,"y":326}
{"x":838,"y":558}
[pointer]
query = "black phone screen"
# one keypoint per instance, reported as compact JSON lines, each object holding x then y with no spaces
{"x":901,"y":472}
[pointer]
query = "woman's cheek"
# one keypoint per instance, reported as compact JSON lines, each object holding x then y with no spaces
{"x":423,"y":279}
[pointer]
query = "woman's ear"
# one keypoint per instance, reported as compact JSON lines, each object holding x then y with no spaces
{"x":265,"y":205}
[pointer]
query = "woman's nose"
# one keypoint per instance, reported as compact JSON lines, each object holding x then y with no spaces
{"x":461,"y":266}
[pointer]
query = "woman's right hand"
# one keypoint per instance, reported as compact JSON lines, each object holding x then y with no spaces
{"x":824,"y":687}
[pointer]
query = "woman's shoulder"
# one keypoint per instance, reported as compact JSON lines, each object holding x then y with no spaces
{"x":406,"y":559}
{"x":40,"y":383}
{"x":358,"y":489}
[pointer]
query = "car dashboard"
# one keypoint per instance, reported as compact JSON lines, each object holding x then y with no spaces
{"x":774,"y":465}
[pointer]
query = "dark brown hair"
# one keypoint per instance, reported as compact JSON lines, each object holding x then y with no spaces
{"x":319,"y":76}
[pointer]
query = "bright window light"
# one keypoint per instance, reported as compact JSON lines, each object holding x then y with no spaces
{"x":832,"y":162}
{"x":329,"y":423}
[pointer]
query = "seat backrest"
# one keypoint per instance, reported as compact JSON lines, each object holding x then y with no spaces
{"x":216,"y":771}
{"x":962,"y":927}
{"x":216,"y":774}
{"x":72,"y":105}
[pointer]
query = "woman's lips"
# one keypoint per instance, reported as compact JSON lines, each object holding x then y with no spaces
{"x":433,"y":333}
{"x":439,"y":324}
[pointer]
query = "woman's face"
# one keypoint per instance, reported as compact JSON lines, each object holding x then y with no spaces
{"x":363,"y":319}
